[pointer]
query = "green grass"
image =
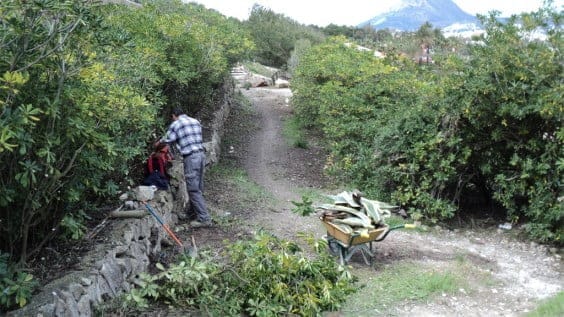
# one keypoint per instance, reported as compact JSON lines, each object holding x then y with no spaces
{"x":246,"y":193}
{"x":553,"y":306}
{"x":316,"y":195}
{"x":398,"y":284}
{"x":395,"y":220}
{"x":293,"y":133}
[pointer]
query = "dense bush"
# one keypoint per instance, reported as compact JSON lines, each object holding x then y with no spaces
{"x":512,"y":116}
{"x":61,"y":118}
{"x":432,"y":138}
{"x":81,"y":89}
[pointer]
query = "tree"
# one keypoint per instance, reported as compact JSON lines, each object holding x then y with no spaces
{"x":81,"y":87}
{"x":275,"y":35}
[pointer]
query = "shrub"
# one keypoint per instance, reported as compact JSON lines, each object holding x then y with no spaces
{"x":428,"y":138}
{"x":16,"y":286}
{"x":81,"y":88}
{"x":262,"y":277}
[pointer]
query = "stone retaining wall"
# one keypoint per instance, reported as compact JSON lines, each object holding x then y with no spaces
{"x":112,"y":268}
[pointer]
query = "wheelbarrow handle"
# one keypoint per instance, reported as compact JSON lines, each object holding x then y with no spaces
{"x":406,"y":226}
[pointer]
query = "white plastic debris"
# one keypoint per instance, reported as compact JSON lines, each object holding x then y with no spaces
{"x":123,"y":197}
{"x":505,"y":226}
{"x":144,"y":193}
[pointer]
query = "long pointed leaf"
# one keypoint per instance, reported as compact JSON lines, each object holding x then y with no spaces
{"x":353,"y":222}
{"x":349,"y":199}
{"x":371,"y":210}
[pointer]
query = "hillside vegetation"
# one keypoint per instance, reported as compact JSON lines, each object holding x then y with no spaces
{"x":477,"y":132}
{"x":85,"y":88}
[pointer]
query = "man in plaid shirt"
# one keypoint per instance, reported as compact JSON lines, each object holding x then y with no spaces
{"x":186,"y":132}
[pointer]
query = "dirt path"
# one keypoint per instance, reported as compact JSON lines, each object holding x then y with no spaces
{"x":267,"y":155}
{"x":504,"y":277}
{"x":275,"y":166}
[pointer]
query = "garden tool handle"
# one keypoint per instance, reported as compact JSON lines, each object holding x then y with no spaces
{"x":407,"y":226}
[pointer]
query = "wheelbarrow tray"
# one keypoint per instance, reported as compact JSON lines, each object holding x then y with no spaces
{"x":349,"y":239}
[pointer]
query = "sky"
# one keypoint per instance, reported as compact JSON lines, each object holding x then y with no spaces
{"x":354,"y":12}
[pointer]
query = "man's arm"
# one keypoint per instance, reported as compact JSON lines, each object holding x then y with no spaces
{"x":170,"y":137}
{"x":167,"y":139}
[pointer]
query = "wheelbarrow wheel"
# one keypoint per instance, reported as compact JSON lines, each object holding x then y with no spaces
{"x":334,"y":247}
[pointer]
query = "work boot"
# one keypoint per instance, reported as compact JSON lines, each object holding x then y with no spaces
{"x":200,"y":224}
{"x":185,"y":216}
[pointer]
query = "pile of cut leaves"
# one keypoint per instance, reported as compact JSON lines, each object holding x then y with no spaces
{"x":353,"y":213}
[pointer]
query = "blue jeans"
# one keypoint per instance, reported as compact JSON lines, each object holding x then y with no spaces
{"x":194,"y":166}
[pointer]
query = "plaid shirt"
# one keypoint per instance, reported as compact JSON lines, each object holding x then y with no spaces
{"x":187,"y":133}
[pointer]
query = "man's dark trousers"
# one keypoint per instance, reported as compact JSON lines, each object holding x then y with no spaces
{"x":194,"y":166}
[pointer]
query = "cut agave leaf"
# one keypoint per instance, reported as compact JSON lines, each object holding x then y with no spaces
{"x":338,"y":200}
{"x":385,"y":213}
{"x":337,"y":208}
{"x":380,"y":204}
{"x":371,"y":210}
{"x":354,"y":222}
{"x":352,"y":211}
{"x":345,"y":228}
{"x":349,"y":199}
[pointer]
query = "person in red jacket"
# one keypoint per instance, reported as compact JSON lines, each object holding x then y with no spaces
{"x":160,"y":160}
{"x":156,"y":168}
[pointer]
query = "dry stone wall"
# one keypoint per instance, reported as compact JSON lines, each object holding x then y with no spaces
{"x":111,"y":269}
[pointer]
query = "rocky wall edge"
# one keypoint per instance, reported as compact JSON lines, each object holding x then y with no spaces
{"x":112,"y":268}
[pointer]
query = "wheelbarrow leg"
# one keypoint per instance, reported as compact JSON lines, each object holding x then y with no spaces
{"x":343,"y":258}
{"x":364,"y":250}
{"x":345,"y":253}
{"x":336,"y":248}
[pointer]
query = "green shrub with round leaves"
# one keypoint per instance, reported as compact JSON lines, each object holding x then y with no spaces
{"x":82,"y":87}
{"x":430,"y":138}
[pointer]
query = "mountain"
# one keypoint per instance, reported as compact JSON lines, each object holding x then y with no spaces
{"x":409,"y":15}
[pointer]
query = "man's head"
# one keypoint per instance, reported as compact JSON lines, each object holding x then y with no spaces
{"x":176,"y":112}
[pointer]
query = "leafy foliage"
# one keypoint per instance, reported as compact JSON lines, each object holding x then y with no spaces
{"x":487,"y":124}
{"x":81,"y":89}
{"x":16,"y":285}
{"x":304,"y":207}
{"x":264,"y":277}
{"x":512,"y":114}
{"x":275,"y":35}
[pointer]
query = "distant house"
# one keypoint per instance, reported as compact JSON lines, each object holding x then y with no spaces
{"x":425,"y":56}
{"x":377,"y":53}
